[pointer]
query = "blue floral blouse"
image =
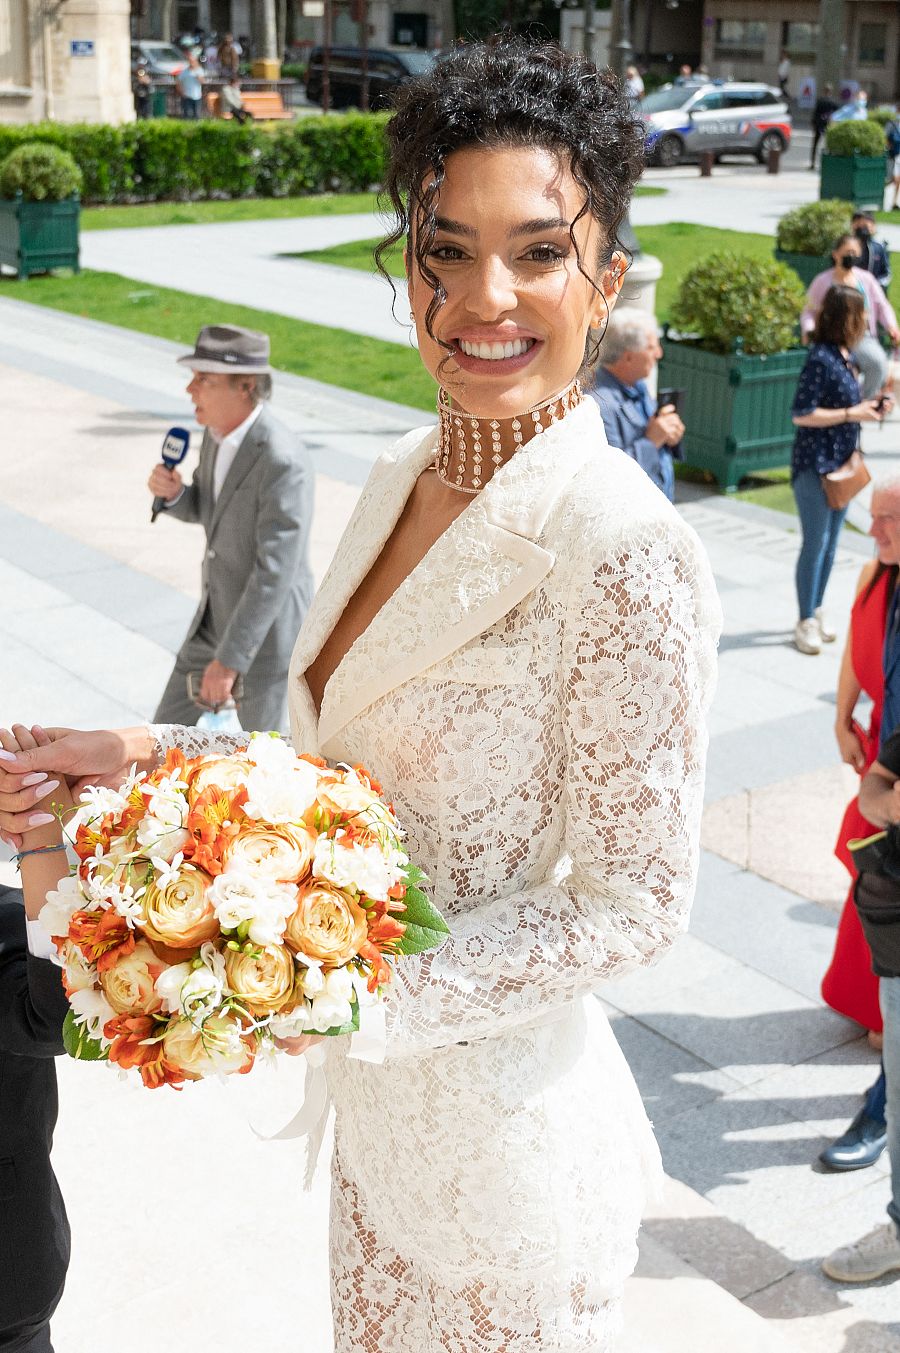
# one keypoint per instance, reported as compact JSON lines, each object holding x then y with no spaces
{"x":827,"y":381}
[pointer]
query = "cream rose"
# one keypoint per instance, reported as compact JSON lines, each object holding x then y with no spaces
{"x":220,"y":1047}
{"x":130,"y":985}
{"x":283,"y":854}
{"x":264,"y":984}
{"x":350,"y":796}
{"x":327,"y":926}
{"x":180,"y":915}
{"x":228,"y":772}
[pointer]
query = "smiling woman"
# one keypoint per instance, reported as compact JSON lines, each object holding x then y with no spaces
{"x":517,"y":635}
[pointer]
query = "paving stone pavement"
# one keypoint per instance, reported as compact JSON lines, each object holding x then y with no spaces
{"x":745,"y":1073}
{"x":200,"y":259}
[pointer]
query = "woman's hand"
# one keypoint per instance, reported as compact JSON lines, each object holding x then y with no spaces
{"x":295,"y":1047}
{"x":866,"y":411}
{"x":95,"y":758}
{"x":850,"y":747}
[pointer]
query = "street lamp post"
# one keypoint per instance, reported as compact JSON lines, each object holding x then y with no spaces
{"x":326,"y":58}
{"x":621,"y":52}
{"x":829,"y":51}
{"x":587,"y":37}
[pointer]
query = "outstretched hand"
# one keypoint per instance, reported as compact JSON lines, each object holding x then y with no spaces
{"x":101,"y":757}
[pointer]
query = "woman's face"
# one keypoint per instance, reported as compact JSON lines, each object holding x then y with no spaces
{"x":849,"y":246}
{"x":518,"y":309}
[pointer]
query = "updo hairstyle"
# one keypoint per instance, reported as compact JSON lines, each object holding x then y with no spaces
{"x":509,"y":93}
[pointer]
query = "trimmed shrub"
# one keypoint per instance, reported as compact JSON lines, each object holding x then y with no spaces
{"x":855,"y":138}
{"x":40,"y":173}
{"x":160,"y":158}
{"x":813,"y":228}
{"x":882,"y":115}
{"x":729,"y":297}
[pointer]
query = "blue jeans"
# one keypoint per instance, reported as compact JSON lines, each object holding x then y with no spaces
{"x":890,"y":1009}
{"x":667,"y":473}
{"x":821,"y":528}
{"x":190,"y":109}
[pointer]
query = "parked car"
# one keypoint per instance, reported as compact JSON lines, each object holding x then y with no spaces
{"x":160,"y":59}
{"x":388,"y":68}
{"x":727,"y":117}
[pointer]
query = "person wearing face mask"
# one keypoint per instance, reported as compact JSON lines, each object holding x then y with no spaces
{"x":874,"y":254}
{"x":849,"y":271}
{"x":855,"y":110}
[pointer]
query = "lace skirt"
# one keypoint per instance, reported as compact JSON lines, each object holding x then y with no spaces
{"x":487,"y":1196}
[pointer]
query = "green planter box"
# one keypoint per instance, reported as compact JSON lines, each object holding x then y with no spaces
{"x":806,"y":266}
{"x":854,"y":178}
{"x":37,"y":236}
{"x":736,"y":409}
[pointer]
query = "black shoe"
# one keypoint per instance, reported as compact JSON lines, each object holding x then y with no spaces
{"x":860,"y":1145}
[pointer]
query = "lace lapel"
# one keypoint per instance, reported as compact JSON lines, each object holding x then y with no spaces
{"x":486,"y":562}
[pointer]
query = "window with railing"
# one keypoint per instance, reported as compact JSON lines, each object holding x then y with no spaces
{"x":740,"y":38}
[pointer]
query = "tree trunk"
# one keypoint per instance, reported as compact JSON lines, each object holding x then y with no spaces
{"x":165,"y":20}
{"x":829,"y":53}
{"x":281,"y":27}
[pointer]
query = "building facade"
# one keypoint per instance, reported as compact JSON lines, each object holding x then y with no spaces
{"x":65,"y":60}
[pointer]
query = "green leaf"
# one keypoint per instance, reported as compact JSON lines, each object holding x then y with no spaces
{"x":425,"y":926}
{"x":79,"y":1044}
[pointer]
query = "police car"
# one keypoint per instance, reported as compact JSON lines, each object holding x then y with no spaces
{"x":727,"y":117}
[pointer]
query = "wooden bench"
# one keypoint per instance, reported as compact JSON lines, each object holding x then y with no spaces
{"x":264,"y":105}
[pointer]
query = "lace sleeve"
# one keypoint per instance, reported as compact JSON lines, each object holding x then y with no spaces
{"x":193,"y":741}
{"x":640,"y":664}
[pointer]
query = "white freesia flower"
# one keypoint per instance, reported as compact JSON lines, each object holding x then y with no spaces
{"x":56,"y":913}
{"x":157,"y":838}
{"x":280,"y":787}
{"x":292,"y":1023}
{"x":91,"y":1008}
{"x":313,"y":978}
{"x":194,"y":991}
{"x":238,"y":897}
{"x":329,"y":1012}
{"x":368,"y":869}
{"x":94,"y":804}
{"x":339,"y":984}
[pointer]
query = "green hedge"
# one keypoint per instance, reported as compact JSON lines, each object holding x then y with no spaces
{"x":158,"y":159}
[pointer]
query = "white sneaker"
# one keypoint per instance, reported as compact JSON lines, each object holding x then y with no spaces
{"x":807,"y":636}
{"x":875,"y":1255}
{"x":825,"y":630}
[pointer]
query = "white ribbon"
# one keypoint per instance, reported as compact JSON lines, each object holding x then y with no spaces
{"x":367,"y":1044}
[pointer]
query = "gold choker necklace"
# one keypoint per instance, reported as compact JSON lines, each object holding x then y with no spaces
{"x":469,"y":433}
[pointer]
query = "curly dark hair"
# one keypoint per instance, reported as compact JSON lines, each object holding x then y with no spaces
{"x":842,"y":319}
{"x":508,"y":92}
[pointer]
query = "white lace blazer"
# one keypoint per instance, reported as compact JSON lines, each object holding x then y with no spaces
{"x":532,"y":698}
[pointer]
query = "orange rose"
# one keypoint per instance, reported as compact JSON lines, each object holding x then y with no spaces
{"x":283,"y":854}
{"x":220,"y":1047}
{"x":180,"y":915}
{"x":327,"y":926}
{"x":225,"y":772}
{"x":129,"y":984}
{"x":263,"y":984}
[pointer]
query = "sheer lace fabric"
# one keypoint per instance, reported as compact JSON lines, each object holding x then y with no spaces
{"x":549,"y":773}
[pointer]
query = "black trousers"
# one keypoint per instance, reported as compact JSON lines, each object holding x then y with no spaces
{"x":27,"y":1339}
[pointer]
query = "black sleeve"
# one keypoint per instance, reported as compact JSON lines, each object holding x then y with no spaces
{"x":889,"y":754}
{"x":33,"y":1004}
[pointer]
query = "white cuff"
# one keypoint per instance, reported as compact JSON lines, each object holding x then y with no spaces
{"x":170,"y":502}
{"x":40,"y":944}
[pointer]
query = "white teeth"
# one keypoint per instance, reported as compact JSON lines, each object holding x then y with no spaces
{"x":496,"y":352}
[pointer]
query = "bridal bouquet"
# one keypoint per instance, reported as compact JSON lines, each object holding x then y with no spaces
{"x":225,"y":901}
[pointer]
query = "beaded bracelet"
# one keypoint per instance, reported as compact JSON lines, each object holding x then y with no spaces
{"x":35,"y":850}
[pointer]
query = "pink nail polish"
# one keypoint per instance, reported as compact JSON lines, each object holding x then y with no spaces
{"x":34,"y":778}
{"x":41,"y":819}
{"x":7,"y":756}
{"x":46,"y":789}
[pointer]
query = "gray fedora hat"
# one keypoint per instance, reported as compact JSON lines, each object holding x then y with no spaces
{"x":226,"y":347}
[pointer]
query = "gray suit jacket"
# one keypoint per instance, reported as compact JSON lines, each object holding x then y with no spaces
{"x":256,"y":582}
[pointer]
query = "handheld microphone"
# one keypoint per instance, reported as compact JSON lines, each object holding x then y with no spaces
{"x":174,"y":449}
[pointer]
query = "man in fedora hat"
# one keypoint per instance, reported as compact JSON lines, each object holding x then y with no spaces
{"x":253,"y":493}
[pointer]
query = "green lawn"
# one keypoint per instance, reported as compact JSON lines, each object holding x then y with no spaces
{"x":238,"y":209}
{"x":386,"y":370}
{"x":678,"y":246}
{"x":242,"y":209}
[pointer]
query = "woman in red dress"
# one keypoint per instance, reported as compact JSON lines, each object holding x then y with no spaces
{"x":849,"y":986}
